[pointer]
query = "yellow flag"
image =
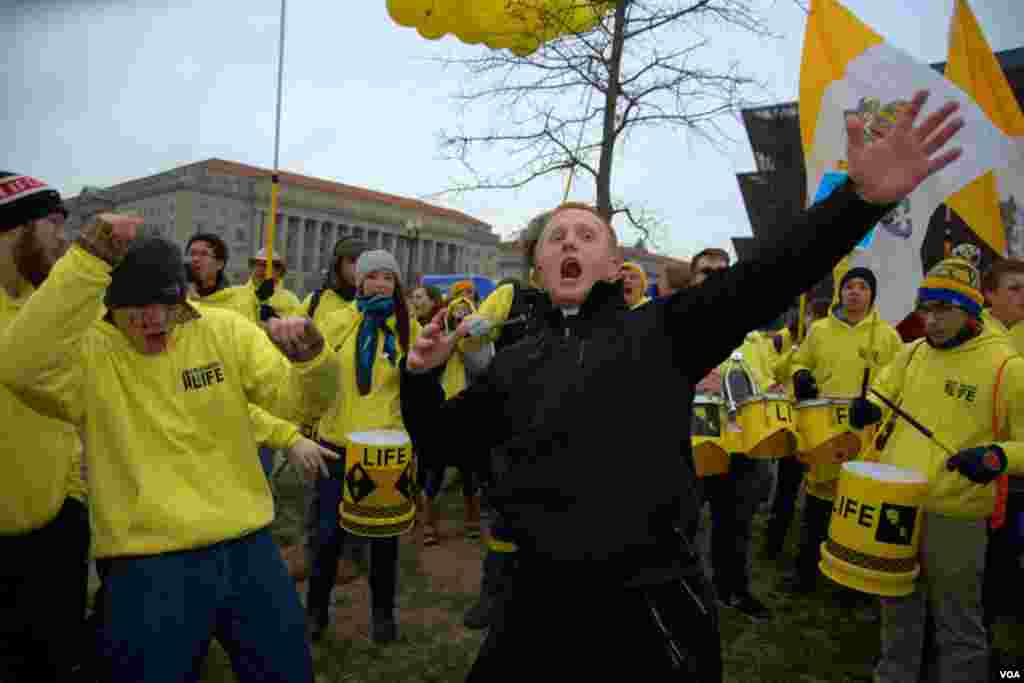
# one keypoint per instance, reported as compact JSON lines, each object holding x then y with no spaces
{"x":838,"y":273}
{"x":833,"y":38}
{"x":974,"y":68}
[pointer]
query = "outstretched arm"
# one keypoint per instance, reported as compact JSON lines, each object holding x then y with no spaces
{"x":753,"y":293}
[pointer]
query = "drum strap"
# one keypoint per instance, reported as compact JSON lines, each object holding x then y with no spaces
{"x":1003,"y":482}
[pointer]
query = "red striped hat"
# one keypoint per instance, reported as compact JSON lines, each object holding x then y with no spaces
{"x":24,"y":199}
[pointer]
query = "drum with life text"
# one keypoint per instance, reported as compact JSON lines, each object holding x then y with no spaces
{"x":875,"y":530}
{"x":767,"y":426}
{"x":826,"y":435}
{"x":379,"y":488}
{"x":709,"y":435}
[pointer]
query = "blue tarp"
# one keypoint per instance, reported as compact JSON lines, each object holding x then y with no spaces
{"x":484,"y":285}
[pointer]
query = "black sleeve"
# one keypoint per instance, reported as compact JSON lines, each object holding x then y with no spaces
{"x":709,"y":321}
{"x":433,"y":421}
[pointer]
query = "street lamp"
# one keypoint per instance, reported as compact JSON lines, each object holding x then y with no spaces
{"x":413,"y":226}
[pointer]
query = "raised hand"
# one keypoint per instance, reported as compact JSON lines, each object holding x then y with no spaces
{"x":888,"y":168}
{"x":433,"y":347}
{"x":298,"y":338}
{"x":108,"y":236}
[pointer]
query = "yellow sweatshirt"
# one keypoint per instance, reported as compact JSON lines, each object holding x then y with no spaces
{"x":41,"y":457}
{"x":268,"y":430}
{"x":951,"y":392}
{"x":241,"y":299}
{"x":350,"y":411}
{"x":497,"y":306}
{"x":835,"y":352}
{"x":283,"y":300}
{"x":330,"y":303}
{"x":169,"y":436}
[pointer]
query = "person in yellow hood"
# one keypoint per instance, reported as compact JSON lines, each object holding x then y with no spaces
{"x":44,"y":524}
{"x":1003,"y":287}
{"x":831,"y":363}
{"x":634,"y":284}
{"x":207,"y":257}
{"x":369,"y":345}
{"x":966,"y":383}
{"x":161,"y":394}
{"x":274,"y":297}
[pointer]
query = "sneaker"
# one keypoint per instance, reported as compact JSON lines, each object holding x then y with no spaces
{"x":478,"y":617}
{"x":749,"y":605}
{"x":385,"y":630}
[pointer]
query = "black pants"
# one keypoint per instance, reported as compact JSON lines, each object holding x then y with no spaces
{"x":329,"y":542}
{"x":817,"y":515}
{"x":44,"y":577}
{"x":664,"y":632}
{"x":1001,"y":594}
{"x":787,"y":490}
{"x":734,"y":498}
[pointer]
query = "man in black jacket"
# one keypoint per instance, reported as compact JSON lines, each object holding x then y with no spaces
{"x":589,"y":480}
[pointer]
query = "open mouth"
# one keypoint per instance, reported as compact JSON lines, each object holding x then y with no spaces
{"x":571,"y":269}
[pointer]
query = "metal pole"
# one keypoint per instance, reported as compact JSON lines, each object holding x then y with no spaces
{"x":275,"y":181}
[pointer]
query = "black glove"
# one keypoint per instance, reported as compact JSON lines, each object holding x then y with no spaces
{"x":267,"y":312}
{"x":863,"y":413}
{"x":265,"y":290}
{"x":805,"y":388}
{"x":981,"y":465}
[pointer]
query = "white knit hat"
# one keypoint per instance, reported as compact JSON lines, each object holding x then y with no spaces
{"x":376,"y":259}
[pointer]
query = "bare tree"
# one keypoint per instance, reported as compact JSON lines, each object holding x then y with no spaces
{"x":584,"y":94}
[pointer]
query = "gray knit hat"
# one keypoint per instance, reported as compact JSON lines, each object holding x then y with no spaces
{"x":376,"y":259}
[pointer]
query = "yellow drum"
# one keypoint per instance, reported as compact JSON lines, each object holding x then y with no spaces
{"x":379,"y":491}
{"x":710,"y":452}
{"x":825,"y":432}
{"x":875,"y":531}
{"x":767,"y":425}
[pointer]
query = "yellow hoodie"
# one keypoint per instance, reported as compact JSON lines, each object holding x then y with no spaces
{"x":951,"y":392}
{"x":267,"y":429}
{"x":283,"y":300}
{"x":835,"y":352}
{"x":40,"y":456}
{"x":241,"y":299}
{"x":497,"y":306}
{"x":330,"y":303}
{"x":1015,"y":334}
{"x":350,"y":411}
{"x":172,"y":461}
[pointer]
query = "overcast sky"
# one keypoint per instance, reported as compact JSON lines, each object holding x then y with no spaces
{"x":97,"y":92}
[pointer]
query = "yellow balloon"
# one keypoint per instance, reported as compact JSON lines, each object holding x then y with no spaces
{"x":407,"y":12}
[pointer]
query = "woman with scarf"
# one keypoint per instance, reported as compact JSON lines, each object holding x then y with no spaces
{"x":370,"y":337}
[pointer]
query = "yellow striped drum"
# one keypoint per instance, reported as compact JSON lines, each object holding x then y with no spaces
{"x":875,"y":532}
{"x":379,"y":491}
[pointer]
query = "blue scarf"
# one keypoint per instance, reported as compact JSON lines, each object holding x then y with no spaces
{"x":376,"y":310}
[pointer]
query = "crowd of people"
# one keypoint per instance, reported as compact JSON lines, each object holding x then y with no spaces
{"x":145,"y":399}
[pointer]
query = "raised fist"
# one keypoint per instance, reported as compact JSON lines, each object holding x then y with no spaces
{"x":108,"y":236}
{"x":298,"y":338}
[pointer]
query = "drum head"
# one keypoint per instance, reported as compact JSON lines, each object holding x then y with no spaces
{"x":884,"y":472}
{"x":379,"y":437}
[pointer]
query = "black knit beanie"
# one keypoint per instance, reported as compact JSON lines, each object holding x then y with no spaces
{"x":864,"y":274}
{"x":152,"y":272}
{"x":24,"y":199}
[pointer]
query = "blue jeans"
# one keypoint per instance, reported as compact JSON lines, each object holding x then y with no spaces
{"x":267,"y":460}
{"x":161,"y":611}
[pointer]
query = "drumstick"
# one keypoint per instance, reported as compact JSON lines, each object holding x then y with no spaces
{"x":914,"y":423}
{"x":868,"y":360}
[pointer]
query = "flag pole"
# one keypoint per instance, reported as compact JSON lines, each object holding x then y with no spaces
{"x":275,"y":180}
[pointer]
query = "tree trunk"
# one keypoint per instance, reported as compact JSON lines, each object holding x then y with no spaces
{"x":611,"y":101}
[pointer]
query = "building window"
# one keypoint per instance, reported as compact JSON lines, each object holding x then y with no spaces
{"x":240,"y":235}
{"x":200,"y":226}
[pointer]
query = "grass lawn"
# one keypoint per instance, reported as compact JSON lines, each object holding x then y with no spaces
{"x":810,"y":639}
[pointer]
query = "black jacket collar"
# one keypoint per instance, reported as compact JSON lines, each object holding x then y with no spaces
{"x":604,"y":297}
